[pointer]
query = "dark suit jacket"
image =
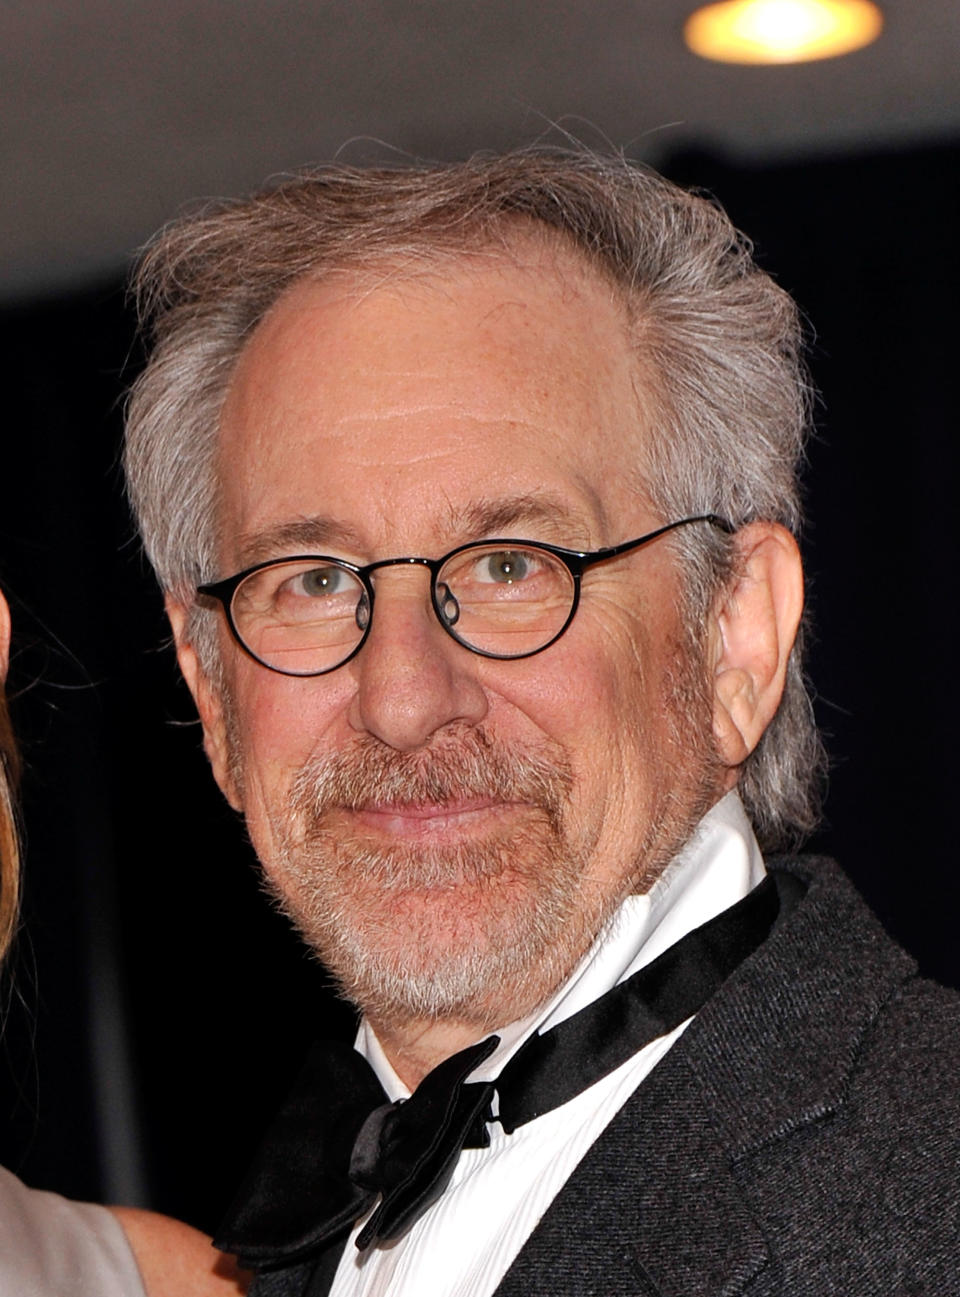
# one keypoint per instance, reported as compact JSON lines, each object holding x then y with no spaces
{"x":802,"y":1138}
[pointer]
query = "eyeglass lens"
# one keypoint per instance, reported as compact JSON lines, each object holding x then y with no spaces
{"x":303,"y":618}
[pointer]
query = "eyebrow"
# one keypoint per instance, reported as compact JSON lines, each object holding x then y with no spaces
{"x":549,"y":515}
{"x":308,"y":535}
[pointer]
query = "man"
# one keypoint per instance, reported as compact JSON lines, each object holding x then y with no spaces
{"x":472,"y":491}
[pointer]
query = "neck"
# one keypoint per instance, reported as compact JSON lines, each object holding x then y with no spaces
{"x":416,"y":1048}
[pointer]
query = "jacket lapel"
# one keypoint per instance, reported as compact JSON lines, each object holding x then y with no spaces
{"x":652,"y":1210}
{"x":661,"y":1207}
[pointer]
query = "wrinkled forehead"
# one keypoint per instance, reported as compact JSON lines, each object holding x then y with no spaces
{"x":412,"y":388}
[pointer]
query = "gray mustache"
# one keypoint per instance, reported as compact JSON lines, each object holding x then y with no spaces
{"x":466,"y":765}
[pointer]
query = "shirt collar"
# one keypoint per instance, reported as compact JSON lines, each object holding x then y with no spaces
{"x":718,"y":866}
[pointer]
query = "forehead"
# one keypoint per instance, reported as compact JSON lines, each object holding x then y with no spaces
{"x":390,"y":404}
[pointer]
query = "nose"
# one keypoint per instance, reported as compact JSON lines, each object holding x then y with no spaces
{"x":411,"y":678}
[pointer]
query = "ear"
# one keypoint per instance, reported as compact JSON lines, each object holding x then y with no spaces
{"x":4,"y":638}
{"x":755,"y":623}
{"x":208,"y":702}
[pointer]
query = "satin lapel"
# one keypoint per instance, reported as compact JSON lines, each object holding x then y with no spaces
{"x":652,"y":1210}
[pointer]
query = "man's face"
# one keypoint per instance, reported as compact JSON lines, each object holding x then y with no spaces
{"x":450,"y":831}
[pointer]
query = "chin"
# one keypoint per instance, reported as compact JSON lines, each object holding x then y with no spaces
{"x":480,"y":933}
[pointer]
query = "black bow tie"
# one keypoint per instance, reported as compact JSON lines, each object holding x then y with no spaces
{"x":338,"y":1146}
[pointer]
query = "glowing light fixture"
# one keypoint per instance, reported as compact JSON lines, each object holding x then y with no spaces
{"x":781,"y":31}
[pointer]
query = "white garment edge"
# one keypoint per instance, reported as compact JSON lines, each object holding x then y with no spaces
{"x":53,"y":1247}
{"x":465,"y":1243}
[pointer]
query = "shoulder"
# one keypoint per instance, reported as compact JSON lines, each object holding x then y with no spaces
{"x":859,"y":1002}
{"x":904,"y":1083}
{"x":175,"y":1259}
{"x":864,"y":1164}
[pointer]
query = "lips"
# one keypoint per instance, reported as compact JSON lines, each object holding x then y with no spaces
{"x":429,"y":819}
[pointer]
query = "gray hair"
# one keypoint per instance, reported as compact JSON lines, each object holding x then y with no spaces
{"x":718,"y":341}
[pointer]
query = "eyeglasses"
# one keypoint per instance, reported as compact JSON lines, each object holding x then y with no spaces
{"x":311,"y":613}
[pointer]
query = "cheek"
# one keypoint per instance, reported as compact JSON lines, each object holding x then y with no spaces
{"x":602,"y":694}
{"x":609,"y":668}
{"x":282,"y":721}
{"x":587,"y":694}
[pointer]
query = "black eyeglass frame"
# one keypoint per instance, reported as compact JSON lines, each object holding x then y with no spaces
{"x":576,"y":561}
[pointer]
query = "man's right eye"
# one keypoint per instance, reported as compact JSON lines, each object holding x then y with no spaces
{"x":325,"y":591}
{"x":319,"y":582}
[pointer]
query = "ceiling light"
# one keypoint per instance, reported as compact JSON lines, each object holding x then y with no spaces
{"x":781,"y":31}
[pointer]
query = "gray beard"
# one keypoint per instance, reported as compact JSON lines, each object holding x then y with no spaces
{"x":499,"y":912}
{"x":481,"y":932}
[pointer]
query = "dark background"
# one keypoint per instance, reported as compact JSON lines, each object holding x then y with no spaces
{"x":157,"y":1008}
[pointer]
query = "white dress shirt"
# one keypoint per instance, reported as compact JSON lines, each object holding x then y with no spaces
{"x":464,"y":1244}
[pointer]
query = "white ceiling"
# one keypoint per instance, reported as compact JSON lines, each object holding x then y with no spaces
{"x":114,"y":112}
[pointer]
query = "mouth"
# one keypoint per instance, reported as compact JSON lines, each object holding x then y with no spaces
{"x":433,"y":820}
